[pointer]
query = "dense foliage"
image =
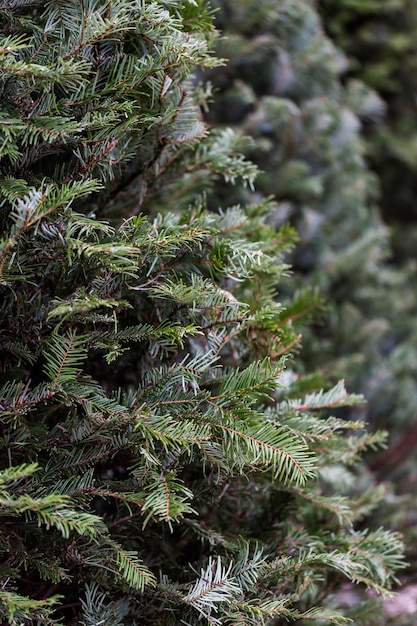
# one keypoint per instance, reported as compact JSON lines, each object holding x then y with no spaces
{"x":379,"y":40}
{"x":306,"y":121}
{"x":163,"y":460}
{"x":311,"y":121}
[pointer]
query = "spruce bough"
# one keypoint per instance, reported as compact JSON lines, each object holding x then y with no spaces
{"x":161,"y":460}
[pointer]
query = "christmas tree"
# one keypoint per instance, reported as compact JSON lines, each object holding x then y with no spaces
{"x":165,"y":457}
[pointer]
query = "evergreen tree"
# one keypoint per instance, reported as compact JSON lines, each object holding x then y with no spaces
{"x":289,"y":88}
{"x":380,"y":43}
{"x":162,"y":461}
{"x":286,"y":89}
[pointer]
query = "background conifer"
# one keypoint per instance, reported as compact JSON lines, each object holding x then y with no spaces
{"x":314,"y":126}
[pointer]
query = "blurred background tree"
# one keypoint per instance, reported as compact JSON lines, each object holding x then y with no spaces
{"x":327,"y":110}
{"x":380,"y":42}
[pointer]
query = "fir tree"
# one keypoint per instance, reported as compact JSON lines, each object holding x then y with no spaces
{"x":162,"y":462}
{"x":289,"y":88}
{"x":380,"y":44}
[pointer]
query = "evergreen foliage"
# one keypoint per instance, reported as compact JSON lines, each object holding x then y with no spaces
{"x":380,"y":43}
{"x":296,"y":94}
{"x":162,"y":461}
{"x":286,"y":89}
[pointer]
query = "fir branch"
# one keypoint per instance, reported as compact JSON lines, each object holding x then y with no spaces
{"x":333,"y":398}
{"x":257,"y":381}
{"x":270,"y":447}
{"x":64,"y":357}
{"x":215,"y":585}
{"x":166,"y":500}
{"x":52,"y":510}
{"x":16,"y":607}
{"x":124,"y":562}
